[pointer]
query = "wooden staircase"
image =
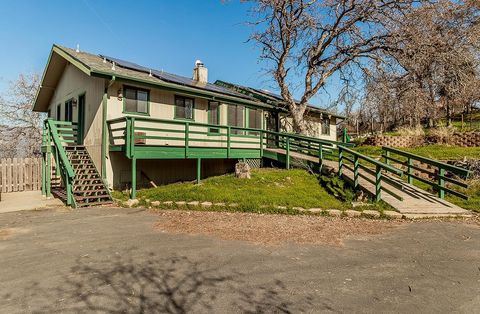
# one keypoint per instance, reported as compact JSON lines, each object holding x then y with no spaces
{"x":88,"y":186}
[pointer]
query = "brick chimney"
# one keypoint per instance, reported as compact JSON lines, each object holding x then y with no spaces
{"x":200,"y":72}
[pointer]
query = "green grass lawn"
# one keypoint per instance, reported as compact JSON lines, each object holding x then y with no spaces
{"x":267,"y":189}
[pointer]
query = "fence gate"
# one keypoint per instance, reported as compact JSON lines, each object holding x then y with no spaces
{"x":20,"y":174}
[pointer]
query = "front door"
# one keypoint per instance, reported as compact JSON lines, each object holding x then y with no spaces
{"x":81,"y":119}
{"x":272,"y":125}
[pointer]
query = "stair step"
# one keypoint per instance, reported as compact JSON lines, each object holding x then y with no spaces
{"x":95,"y":197}
{"x":91,"y":190}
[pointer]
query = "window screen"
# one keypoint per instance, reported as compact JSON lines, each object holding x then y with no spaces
{"x":213,"y":115}
{"x":254,"y":120}
{"x":183,"y":108}
{"x":136,"y":100}
{"x":235,"y":117}
{"x":326,"y":126}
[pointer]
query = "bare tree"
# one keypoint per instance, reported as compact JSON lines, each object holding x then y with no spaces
{"x":435,"y":71}
{"x":22,"y":127}
{"x":312,"y":40}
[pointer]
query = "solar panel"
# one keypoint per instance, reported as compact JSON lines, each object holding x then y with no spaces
{"x":173,"y":78}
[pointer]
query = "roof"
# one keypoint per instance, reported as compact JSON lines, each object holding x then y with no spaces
{"x":120,"y":70}
{"x":270,"y":98}
{"x":102,"y":66}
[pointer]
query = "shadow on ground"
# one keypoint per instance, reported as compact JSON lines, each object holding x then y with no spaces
{"x":120,"y":284}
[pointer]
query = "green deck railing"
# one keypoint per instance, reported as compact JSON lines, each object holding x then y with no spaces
{"x":445,"y":172}
{"x":347,"y":155}
{"x":134,"y":131}
{"x":56,"y":134}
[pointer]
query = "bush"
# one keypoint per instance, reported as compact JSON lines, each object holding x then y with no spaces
{"x":416,"y":131}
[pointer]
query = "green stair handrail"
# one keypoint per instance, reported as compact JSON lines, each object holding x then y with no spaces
{"x":61,"y":159}
{"x":377,"y":173}
{"x":440,"y":176}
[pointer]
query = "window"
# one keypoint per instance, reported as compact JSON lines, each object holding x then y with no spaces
{"x":325,"y":126}
{"x":59,"y":112}
{"x":213,"y":115}
{"x":183,"y":108}
{"x":68,"y":110}
{"x":254,"y":120}
{"x":135,"y":100}
{"x":235,"y":117}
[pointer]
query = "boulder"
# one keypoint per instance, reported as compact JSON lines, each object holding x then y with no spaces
{"x":242,"y":170}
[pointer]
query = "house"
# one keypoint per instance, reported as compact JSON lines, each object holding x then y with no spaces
{"x":141,"y":126}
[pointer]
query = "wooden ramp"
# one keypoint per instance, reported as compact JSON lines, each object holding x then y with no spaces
{"x":413,"y":203}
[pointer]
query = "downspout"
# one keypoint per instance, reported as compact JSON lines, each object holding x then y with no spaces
{"x":104,"y":128}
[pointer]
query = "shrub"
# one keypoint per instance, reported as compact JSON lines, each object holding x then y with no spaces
{"x":416,"y":131}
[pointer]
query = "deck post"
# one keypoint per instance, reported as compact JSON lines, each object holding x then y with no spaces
{"x":409,"y":170}
{"x":48,"y":172}
{"x":43,"y":175}
{"x":199,"y":169}
{"x":378,"y":183}
{"x":387,"y":157}
{"x":441,"y":182}
{"x":320,"y":156}
{"x":355,"y":172}
{"x":187,"y":131}
{"x":288,"y":153}
{"x":133,"y":195}
{"x":229,"y":134}
{"x":340,"y":161}
{"x":261,"y":144}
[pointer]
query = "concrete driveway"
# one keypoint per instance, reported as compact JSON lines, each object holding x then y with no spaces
{"x":115,"y":261}
{"x":26,"y":200}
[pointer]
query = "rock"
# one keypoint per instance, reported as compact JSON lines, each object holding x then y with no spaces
{"x":193,"y":203}
{"x":180,"y":203}
{"x":206,"y":204}
{"x":371,"y":213}
{"x":169,"y":203}
{"x":352,"y":213}
{"x":300,"y":209}
{"x":233,"y":205}
{"x":281,"y":207}
{"x":132,"y":203}
{"x":219,"y":204}
{"x":334,"y":212}
{"x":393,"y":214}
{"x":242,"y":170}
{"x":155,"y":203}
{"x":315,"y":210}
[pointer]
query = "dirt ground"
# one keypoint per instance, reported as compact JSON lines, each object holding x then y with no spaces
{"x":273,"y":229}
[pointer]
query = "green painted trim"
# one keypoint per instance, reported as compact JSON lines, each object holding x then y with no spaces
{"x":199,"y":169}
{"x":104,"y":134}
{"x":175,"y":108}
{"x":76,"y":62}
{"x":81,"y":120}
{"x":124,"y":111}
{"x":133,"y":195}
{"x":192,"y":91}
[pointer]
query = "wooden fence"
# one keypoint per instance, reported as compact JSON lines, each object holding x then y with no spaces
{"x":20,"y":174}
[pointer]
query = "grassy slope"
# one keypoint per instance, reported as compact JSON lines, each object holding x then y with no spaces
{"x":439,"y":152}
{"x":267,"y":189}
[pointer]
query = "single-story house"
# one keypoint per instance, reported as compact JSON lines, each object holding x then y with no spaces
{"x":175,"y":122}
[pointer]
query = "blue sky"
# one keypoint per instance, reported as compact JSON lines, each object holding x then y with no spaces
{"x":168,"y":35}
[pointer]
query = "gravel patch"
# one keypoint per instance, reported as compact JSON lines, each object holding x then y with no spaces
{"x":271,"y":229}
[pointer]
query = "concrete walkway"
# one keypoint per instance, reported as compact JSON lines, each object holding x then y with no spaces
{"x":27,"y":200}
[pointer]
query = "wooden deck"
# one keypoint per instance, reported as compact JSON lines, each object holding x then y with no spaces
{"x":415,"y":201}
